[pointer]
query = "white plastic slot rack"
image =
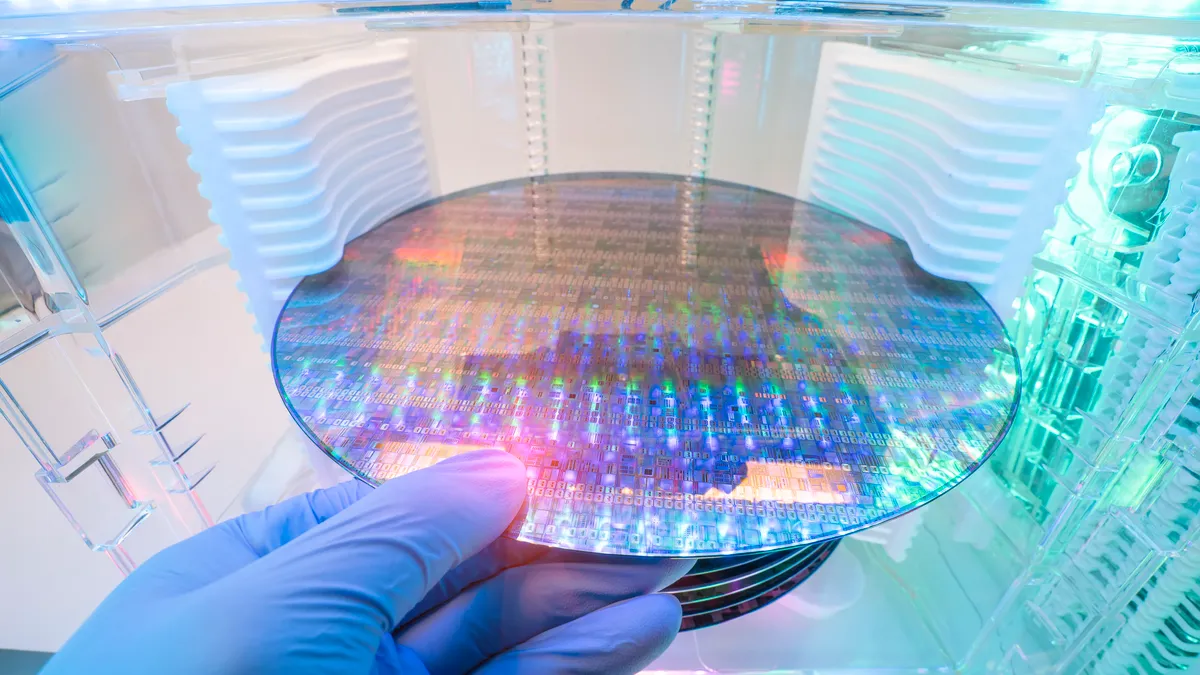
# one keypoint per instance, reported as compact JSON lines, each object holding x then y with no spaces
{"x":965,"y":166}
{"x":298,"y":160}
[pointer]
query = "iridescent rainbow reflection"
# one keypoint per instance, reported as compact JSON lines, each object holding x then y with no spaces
{"x":685,"y":369}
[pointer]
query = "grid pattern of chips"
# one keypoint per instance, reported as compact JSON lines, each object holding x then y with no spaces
{"x":685,"y":369}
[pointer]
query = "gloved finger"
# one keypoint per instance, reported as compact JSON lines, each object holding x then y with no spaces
{"x":353,"y":576}
{"x":392,"y":659}
{"x":218,"y":551}
{"x":499,"y":555}
{"x":266,"y":530}
{"x":522,"y":602}
{"x":621,"y":638}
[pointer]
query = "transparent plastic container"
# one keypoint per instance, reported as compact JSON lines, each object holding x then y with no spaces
{"x":169,"y":173}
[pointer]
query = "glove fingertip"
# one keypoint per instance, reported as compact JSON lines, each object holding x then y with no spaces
{"x":500,"y":458}
{"x":663,"y":614}
{"x":491,"y":472}
{"x":658,"y":617}
{"x":622,"y":638}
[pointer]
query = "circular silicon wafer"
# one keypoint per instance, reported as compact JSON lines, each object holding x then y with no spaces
{"x":699,"y":582}
{"x":687,"y":369}
{"x":761,"y":578}
{"x":727,"y":608}
{"x":720,"y":563}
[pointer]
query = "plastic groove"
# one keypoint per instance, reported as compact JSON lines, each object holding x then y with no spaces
{"x":942,"y":227}
{"x":1145,"y":394}
{"x":197,"y":127}
{"x":282,"y":145}
{"x":281,"y":245}
{"x":267,"y":166}
{"x":965,"y":148}
{"x":1125,"y":375}
{"x":968,"y":112}
{"x":989,"y":126}
{"x":1042,"y":611}
{"x":865,"y":212}
{"x":371,"y":210}
{"x":1180,"y":492}
{"x":287,"y":257}
{"x":1109,"y":557}
{"x":264,"y":179}
{"x":375,"y":212}
{"x":1073,"y":486}
{"x":703,"y":94}
{"x":533,"y":76}
{"x":336,"y":66}
{"x":400,"y":146}
{"x":284,"y":152}
{"x":931,"y":253}
{"x":298,"y":160}
{"x":1174,"y":518}
{"x":409,"y":190}
{"x":1165,"y":605}
{"x":269,"y":233}
{"x":307,"y":165}
{"x":303,"y":214}
{"x":963,"y":82}
{"x":273,"y":93}
{"x":966,"y":166}
{"x":267,"y":128}
{"x":1118,"y":296}
{"x":935,"y":256}
{"x":971,"y":190}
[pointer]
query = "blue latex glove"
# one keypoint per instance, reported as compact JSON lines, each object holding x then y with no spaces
{"x":407,"y":578}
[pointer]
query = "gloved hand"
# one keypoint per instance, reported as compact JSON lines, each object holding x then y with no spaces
{"x":406,"y":578}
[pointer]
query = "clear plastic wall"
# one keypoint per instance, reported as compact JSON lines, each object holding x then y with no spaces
{"x":168,"y":176}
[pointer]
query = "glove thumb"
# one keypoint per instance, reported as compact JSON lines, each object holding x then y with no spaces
{"x":343,"y":585}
